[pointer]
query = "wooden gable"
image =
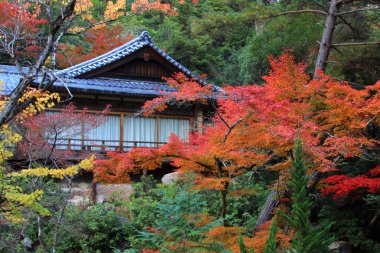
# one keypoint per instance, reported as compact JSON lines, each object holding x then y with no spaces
{"x":144,"y":64}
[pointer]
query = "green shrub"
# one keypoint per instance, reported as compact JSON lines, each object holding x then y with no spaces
{"x":98,"y":228}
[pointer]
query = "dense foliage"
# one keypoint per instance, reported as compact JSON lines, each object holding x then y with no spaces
{"x":231,"y":41}
{"x":255,"y":127}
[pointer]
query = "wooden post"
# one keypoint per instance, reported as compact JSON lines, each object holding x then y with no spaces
{"x":93,"y":192}
{"x":83,"y":146}
{"x":157,"y":130}
{"x":121,"y":132}
{"x":198,"y":124}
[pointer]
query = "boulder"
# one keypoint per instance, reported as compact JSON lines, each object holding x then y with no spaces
{"x":79,"y":200}
{"x":170,"y":178}
{"x":109,"y":192}
{"x":340,"y":246}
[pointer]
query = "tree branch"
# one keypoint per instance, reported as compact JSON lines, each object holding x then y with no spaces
{"x":218,"y":113}
{"x":356,"y":44}
{"x":355,"y":32}
{"x":230,"y":128}
{"x":320,"y":12}
{"x":357,"y":10}
{"x":105,"y":22}
{"x":13,"y":104}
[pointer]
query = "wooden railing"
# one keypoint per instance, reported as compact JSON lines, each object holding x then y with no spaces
{"x":102,"y":145}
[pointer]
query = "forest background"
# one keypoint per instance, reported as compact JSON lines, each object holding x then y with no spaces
{"x":230,"y":41}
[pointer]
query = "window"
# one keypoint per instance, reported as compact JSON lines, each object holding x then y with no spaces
{"x":106,"y":136}
{"x":137,"y":131}
{"x":140,"y":131}
{"x":167,"y":126}
{"x":68,"y":134}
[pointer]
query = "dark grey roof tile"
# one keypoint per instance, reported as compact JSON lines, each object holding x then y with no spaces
{"x":118,"y":53}
{"x":10,"y":75}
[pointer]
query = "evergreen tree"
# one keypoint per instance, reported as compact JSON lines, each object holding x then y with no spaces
{"x":271,"y":241}
{"x":307,"y":238}
{"x":182,"y":221}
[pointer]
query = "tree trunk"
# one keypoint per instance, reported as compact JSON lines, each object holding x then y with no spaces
{"x":224,"y":207}
{"x":13,"y":106}
{"x":270,"y":204}
{"x":144,"y":186}
{"x":94,"y":192}
{"x":223,"y":210}
{"x":325,"y":44}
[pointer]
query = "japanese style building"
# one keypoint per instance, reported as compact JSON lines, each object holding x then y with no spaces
{"x":125,"y":78}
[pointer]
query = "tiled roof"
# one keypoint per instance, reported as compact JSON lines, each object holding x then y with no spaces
{"x":118,"y":53}
{"x":10,"y":76}
{"x":116,"y":86}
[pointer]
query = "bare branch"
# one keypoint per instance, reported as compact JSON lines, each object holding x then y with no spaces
{"x":354,"y":31}
{"x":64,"y":85}
{"x":217,"y":112}
{"x":356,"y":44}
{"x":320,"y":5}
{"x":13,"y":105}
{"x":357,"y":10}
{"x":105,"y":22}
{"x":320,"y":12}
{"x":230,"y":128}
{"x":371,"y":21}
{"x":344,"y":1}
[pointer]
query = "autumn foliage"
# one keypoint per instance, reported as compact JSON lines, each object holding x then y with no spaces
{"x":256,"y":125}
{"x":341,"y":186}
{"x":13,"y":15}
{"x":100,"y":37}
{"x":146,"y":5}
{"x":21,"y":22}
{"x":101,"y":40}
{"x":43,"y":133}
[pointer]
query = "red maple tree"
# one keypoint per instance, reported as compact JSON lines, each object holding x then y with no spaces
{"x":21,"y":22}
{"x":257,"y":125}
{"x":46,"y":135}
{"x":100,"y":40}
{"x":341,"y":186}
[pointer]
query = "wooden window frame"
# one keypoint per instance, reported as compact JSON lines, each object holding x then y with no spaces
{"x":122,"y":117}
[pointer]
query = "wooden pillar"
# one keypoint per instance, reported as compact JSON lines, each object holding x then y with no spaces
{"x":82,"y":128}
{"x":157,"y":130}
{"x":121,"y":132}
{"x":93,"y":192}
{"x":198,"y":119}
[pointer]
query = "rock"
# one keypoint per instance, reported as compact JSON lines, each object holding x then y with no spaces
{"x":82,"y":185}
{"x":109,"y":192}
{"x":65,"y":189}
{"x":27,"y":242}
{"x":78,"y":200}
{"x":170,"y":178}
{"x":100,"y":198}
{"x":340,"y":246}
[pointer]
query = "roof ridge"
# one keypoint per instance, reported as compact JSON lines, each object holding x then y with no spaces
{"x":108,"y":79}
{"x":144,"y":39}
